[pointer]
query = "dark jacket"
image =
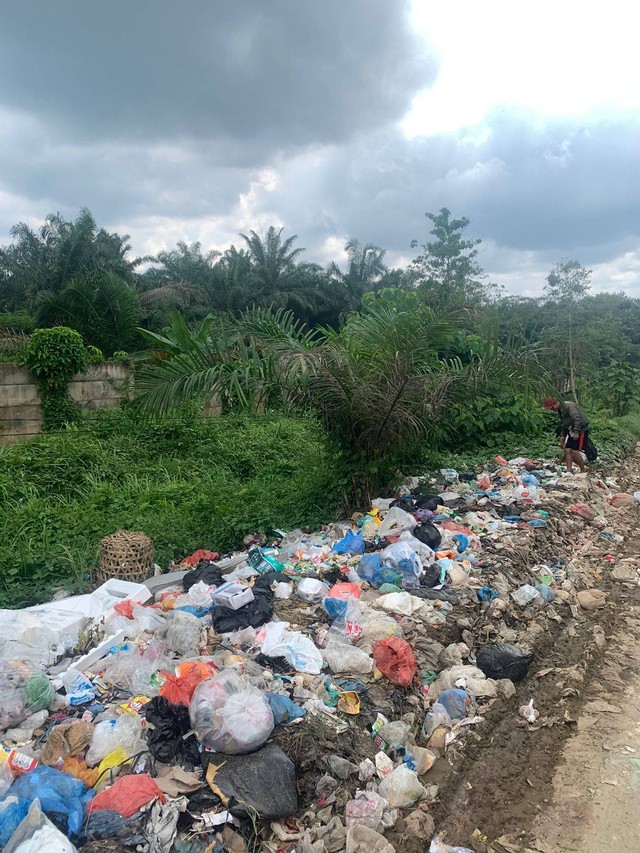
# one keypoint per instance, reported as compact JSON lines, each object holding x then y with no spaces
{"x":572,"y":417}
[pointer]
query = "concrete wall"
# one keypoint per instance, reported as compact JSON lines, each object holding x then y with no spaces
{"x":100,"y":386}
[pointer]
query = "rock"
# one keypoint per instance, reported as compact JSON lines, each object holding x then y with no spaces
{"x":506,"y":688}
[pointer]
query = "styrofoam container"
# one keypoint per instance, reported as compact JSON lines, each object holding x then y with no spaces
{"x":232,"y":595}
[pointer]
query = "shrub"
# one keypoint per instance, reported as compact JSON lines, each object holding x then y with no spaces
{"x":54,"y":356}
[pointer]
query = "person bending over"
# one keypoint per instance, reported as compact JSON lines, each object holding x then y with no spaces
{"x":574,"y":430}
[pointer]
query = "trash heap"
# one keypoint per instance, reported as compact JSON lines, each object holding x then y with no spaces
{"x":297,"y":696}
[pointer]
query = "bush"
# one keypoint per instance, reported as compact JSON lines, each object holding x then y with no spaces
{"x":54,"y":356}
{"x":189,"y":482}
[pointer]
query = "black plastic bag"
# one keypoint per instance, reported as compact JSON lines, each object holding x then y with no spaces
{"x":205,"y":571}
{"x":431,"y":576}
{"x":427,"y":501}
{"x":253,"y":614}
{"x":502,"y":660}
{"x":263,"y":781}
{"x":590,"y":450}
{"x":405,"y":504}
{"x":428,"y":534}
{"x":166,"y":740}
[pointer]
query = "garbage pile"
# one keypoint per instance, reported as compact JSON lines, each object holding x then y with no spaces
{"x":296,"y":696}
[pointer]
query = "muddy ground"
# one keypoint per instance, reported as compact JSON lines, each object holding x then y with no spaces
{"x":519,"y":787}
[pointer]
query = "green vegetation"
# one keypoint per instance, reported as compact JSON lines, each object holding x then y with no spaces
{"x":188,"y":482}
{"x":54,"y":356}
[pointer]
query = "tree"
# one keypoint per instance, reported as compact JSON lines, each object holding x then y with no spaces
{"x":364,"y":273}
{"x":567,"y":283}
{"x":447,"y":270}
{"x":58,"y":252}
{"x":273,"y":261}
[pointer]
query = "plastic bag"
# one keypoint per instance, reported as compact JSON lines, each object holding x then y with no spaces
{"x":262,"y":782}
{"x":395,"y":659}
{"x":403,"y":558}
{"x":591,"y":599}
{"x":583,"y":511}
{"x":525,"y":595}
{"x":621,"y":499}
{"x":457,"y":703}
{"x":229,"y":715}
{"x":396,"y":602}
{"x":377,"y":626}
{"x":168,"y":735}
{"x":351,"y":543}
{"x":136,"y":672}
{"x":299,"y":651}
{"x":108,"y":735}
{"x":342,"y":657}
{"x":426,"y":554}
{"x":178,"y":688}
{"x":283,"y":709}
{"x":366,"y":809}
{"x":182,"y":633}
{"x":401,"y":788}
{"x":344,"y":591}
{"x":436,"y":716}
{"x":395,"y":522}
{"x":312,"y":590}
{"x":127,"y":795}
{"x":363,"y":839}
{"x":428,"y":534}
{"x":58,"y":793}
{"x":503,"y":660}
{"x":36,"y":834}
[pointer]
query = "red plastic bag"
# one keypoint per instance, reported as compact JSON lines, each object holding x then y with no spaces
{"x":395,"y":659}
{"x":127,"y":795}
{"x":197,"y":556}
{"x":179,"y":688}
{"x":344,"y":591}
{"x":583,"y":511}
{"x":125,"y":608}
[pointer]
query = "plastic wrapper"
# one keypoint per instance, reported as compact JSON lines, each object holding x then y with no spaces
{"x":299,"y":651}
{"x":343,"y":657}
{"x":395,"y":659}
{"x":36,"y":834}
{"x":503,"y":660}
{"x":401,"y":788}
{"x":125,"y":731}
{"x":229,"y":715}
{"x":403,"y":558}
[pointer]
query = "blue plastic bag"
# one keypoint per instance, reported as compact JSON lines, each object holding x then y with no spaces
{"x":456,"y":703}
{"x":545,"y":591}
{"x":368,"y":566}
{"x":283,"y":709}
{"x":485,"y":593}
{"x":13,"y":810}
{"x":351,"y":543}
{"x":463,"y":542}
{"x":334,"y":607}
{"x":59,"y":794}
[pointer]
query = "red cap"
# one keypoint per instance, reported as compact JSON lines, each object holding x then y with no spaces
{"x":550,"y":402}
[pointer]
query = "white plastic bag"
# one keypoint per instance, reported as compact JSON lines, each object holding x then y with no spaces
{"x":426,"y":554}
{"x":229,"y":715}
{"x":395,"y":522}
{"x":401,"y":788}
{"x":396,"y":602}
{"x":342,"y":657}
{"x":182,"y":634}
{"x":36,"y":834}
{"x":312,"y":590}
{"x":200,"y":595}
{"x":124,"y":731}
{"x":299,"y":651}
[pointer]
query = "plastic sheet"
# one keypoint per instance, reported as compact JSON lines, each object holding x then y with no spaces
{"x":229,"y":715}
{"x":342,"y":657}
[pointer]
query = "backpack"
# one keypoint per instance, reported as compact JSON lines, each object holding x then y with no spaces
{"x":590,"y":450}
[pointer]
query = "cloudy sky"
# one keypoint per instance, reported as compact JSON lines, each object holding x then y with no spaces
{"x":195,"y":120}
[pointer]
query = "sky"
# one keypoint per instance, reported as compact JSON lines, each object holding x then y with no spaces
{"x":334,"y":119}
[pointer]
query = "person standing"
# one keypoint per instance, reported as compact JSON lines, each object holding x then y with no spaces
{"x":574,"y":429}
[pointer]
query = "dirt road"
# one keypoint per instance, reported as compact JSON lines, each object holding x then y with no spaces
{"x":571,"y":782}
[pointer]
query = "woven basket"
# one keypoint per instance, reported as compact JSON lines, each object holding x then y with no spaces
{"x":127,"y":555}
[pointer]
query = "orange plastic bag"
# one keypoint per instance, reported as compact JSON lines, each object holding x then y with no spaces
{"x":127,"y":795}
{"x":395,"y":659}
{"x":76,"y":767}
{"x":178,"y":688}
{"x":583,"y":511}
{"x":344,"y":591}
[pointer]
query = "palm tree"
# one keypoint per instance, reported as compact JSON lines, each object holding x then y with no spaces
{"x":365,"y":271}
{"x":273,"y":260}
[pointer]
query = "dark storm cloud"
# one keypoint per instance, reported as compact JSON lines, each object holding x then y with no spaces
{"x":273,"y":72}
{"x":552,"y":188}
